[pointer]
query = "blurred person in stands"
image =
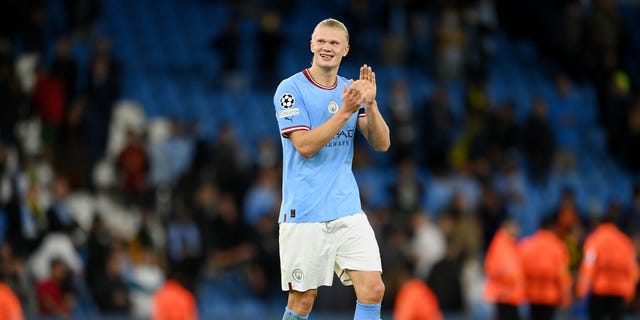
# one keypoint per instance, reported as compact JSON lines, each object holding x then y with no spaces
{"x":323,"y":227}
{"x":11,"y":98}
{"x":111,"y":292}
{"x":633,"y":136}
{"x":545,"y":262}
{"x":59,"y":217}
{"x":271,"y":41}
{"x":438,"y":123}
{"x":609,"y":271}
{"x":406,"y":193}
{"x":414,"y":300}
{"x":133,"y":162}
{"x":229,"y":161}
{"x":505,"y":285}
{"x":184,"y":246}
{"x":98,"y":250}
{"x":228,"y":44}
{"x":173,"y":301}
{"x":24,"y":230}
{"x":71,"y":153}
{"x":538,"y":142}
{"x":64,"y":67}
{"x":403,"y":120}
{"x":450,"y":40}
{"x":491,"y":212}
{"x":55,"y":295}
{"x":569,"y":226}
{"x":103,"y":90}
{"x":427,"y":245}
{"x":49,"y":98}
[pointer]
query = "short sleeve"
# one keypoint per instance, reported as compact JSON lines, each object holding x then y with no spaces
{"x":290,"y":110}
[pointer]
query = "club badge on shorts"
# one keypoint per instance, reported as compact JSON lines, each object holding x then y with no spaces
{"x":297,"y":275}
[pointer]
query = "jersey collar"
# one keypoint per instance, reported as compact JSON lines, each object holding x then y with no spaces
{"x":316,"y":83}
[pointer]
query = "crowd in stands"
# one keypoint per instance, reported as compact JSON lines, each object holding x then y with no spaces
{"x":99,"y":204}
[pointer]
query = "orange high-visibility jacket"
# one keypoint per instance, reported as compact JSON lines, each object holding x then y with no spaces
{"x":415,"y":301}
{"x":609,"y":265}
{"x":545,"y":262}
{"x":10,"y":308}
{"x":505,"y":278}
{"x":174,"y":302}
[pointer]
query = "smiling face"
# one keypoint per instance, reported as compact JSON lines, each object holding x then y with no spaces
{"x":329,"y":45}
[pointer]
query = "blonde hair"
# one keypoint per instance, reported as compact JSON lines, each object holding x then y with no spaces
{"x":332,"y":23}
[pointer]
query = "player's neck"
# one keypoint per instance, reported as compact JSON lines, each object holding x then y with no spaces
{"x":325,"y":77}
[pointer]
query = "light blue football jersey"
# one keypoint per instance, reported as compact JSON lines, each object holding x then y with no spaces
{"x":322,"y":187}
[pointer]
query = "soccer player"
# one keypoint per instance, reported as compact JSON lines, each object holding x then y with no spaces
{"x":322,"y":226}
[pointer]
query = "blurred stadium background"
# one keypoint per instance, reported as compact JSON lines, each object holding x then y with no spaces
{"x":139,"y":135}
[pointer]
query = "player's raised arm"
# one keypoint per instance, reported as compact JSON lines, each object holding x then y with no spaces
{"x":373,"y":126}
{"x":307,"y":143}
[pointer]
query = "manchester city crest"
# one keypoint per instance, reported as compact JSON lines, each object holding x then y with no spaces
{"x":333,"y":107}
{"x":298,"y":275}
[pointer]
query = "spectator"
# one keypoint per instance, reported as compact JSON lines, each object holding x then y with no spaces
{"x":427,"y":245}
{"x":49,"y":98}
{"x":64,"y":67}
{"x":406,"y":193}
{"x":633,"y":127}
{"x":98,"y":250}
{"x":445,"y":278}
{"x":492,"y":213}
{"x":111,"y":291}
{"x":538,"y":142}
{"x":403,"y":121}
{"x":568,"y":117}
{"x":450,"y":38}
{"x":184,"y":245}
{"x":133,"y":163}
{"x":229,"y":161}
{"x":24,"y":232}
{"x":568,"y":225}
{"x":271,"y":41}
{"x":59,"y":217}
{"x":170,"y":158}
{"x":438,"y":126}
{"x":146,"y":278}
{"x":71,"y":153}
{"x":103,"y":90}
{"x":227,"y":45}
{"x":56,"y":297}
{"x":263,"y":198}
{"x":11,"y":98}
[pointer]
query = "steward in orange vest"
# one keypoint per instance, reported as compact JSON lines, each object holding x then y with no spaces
{"x":609,"y":271}
{"x":545,"y":262}
{"x":505,"y":284}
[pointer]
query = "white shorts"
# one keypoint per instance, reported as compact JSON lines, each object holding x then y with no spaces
{"x":311,"y":252}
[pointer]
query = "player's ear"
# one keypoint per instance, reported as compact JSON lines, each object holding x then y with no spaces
{"x":346,"y":50}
